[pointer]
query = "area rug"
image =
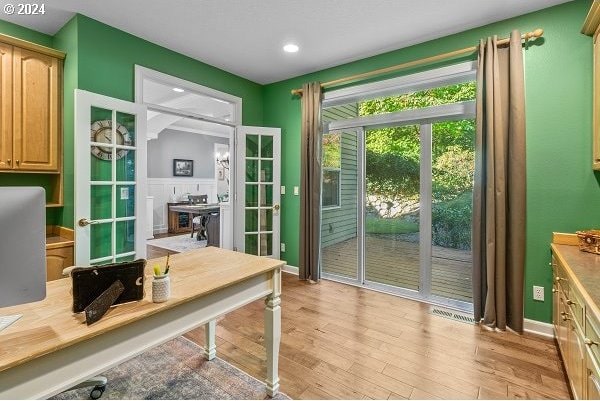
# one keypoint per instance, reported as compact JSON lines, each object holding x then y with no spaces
{"x":176,"y":370}
{"x":179,"y":243}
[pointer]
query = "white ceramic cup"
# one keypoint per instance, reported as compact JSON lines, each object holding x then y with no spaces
{"x":161,"y":288}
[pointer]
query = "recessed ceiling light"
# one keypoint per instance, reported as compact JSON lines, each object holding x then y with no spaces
{"x":290,"y":48}
{"x":178,"y":90}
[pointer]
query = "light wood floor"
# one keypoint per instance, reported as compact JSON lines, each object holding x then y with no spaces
{"x":344,"y":342}
{"x":396,"y":263}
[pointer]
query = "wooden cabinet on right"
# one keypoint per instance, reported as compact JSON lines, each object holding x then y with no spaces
{"x":591,"y":27}
{"x":576,"y":277}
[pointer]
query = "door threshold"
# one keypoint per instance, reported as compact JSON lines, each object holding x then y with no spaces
{"x":413,"y":295}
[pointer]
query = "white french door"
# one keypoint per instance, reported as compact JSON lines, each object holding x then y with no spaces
{"x":258,"y":190}
{"x":110,"y":175}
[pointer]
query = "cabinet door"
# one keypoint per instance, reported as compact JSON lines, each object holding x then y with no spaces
{"x":576,"y":359}
{"x":593,"y":381}
{"x":57,"y":260}
{"x":6,"y":91}
{"x":36,"y":111}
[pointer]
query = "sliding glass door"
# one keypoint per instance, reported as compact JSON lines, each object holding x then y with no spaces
{"x":397,"y":209}
{"x":341,"y":228}
{"x":392,"y":207}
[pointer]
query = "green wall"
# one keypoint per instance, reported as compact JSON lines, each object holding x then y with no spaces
{"x":562,"y":193}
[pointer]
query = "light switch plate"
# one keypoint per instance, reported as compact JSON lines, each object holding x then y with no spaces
{"x":283,"y":247}
{"x":283,"y":190}
{"x":296,"y":191}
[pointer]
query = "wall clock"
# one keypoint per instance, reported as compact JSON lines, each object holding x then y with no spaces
{"x":101,"y":132}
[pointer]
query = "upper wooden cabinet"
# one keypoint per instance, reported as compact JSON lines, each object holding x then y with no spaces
{"x":591,"y":28}
{"x":30,"y":110}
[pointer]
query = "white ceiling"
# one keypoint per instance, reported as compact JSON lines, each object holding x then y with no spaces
{"x":245,"y":37}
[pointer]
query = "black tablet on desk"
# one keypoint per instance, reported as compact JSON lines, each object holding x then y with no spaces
{"x":90,"y":282}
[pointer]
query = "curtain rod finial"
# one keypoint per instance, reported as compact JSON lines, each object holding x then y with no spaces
{"x":535,"y":34}
{"x":297,"y":92}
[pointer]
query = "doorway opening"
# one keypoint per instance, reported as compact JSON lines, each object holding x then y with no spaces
{"x":190,"y":141}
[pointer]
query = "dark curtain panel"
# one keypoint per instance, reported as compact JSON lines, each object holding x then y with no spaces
{"x":310,"y":182}
{"x":499,"y":194}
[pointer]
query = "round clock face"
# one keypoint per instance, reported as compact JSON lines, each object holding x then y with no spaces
{"x":101,"y":132}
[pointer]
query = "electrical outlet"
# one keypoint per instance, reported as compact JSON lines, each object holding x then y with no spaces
{"x":296,"y":191}
{"x":538,"y":293}
{"x":283,"y":247}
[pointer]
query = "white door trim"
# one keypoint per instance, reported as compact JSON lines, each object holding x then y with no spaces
{"x":83,"y":102}
{"x":142,"y":73}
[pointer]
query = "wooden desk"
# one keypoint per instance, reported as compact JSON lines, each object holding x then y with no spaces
{"x":50,"y":349}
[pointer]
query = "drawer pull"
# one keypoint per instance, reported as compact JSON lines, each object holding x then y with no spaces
{"x":589,"y":342}
{"x":9,"y":161}
{"x":557,"y":279}
{"x":554,"y":290}
{"x":569,"y":302}
{"x":565,"y":316}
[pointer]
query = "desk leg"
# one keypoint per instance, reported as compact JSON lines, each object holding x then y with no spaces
{"x":210,"y":348}
{"x":272,"y":339}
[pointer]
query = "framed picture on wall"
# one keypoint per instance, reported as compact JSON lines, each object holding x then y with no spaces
{"x":183,"y":168}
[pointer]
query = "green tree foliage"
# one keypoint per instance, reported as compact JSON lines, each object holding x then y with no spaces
{"x":393,"y":153}
{"x":393,"y":161}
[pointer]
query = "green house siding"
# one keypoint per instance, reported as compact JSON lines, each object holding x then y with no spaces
{"x":339,"y":223}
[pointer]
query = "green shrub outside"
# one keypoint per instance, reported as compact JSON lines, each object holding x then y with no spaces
{"x":451,"y":222}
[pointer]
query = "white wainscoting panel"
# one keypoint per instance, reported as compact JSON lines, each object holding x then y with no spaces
{"x":165,"y":190}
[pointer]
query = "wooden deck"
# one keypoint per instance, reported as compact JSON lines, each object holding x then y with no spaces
{"x":396,"y":263}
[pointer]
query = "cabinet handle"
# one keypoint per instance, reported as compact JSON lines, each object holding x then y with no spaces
{"x":9,"y":161}
{"x":17,"y":162}
{"x":557,"y":279}
{"x":554,"y":290}
{"x":589,"y":342}
{"x":569,"y":302}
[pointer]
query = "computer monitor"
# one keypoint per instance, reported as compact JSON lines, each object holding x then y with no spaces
{"x":22,"y":245}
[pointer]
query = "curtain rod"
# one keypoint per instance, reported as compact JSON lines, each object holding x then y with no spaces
{"x":427,"y":60}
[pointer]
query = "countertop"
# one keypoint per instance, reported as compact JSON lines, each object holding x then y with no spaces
{"x":584,"y":267}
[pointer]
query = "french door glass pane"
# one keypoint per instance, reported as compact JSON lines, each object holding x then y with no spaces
{"x":100,"y":202}
{"x":125,"y":240}
{"x":453,"y":157}
{"x":339,"y":224}
{"x":392,"y":206}
{"x":125,"y":129}
{"x":125,"y":201}
{"x":100,"y":240}
{"x":100,"y":169}
{"x":125,"y":165}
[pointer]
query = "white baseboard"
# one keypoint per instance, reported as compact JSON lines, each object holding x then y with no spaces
{"x":291,"y":270}
{"x":539,"y":328}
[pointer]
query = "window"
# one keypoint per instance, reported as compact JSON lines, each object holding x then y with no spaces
{"x":332,"y":164}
